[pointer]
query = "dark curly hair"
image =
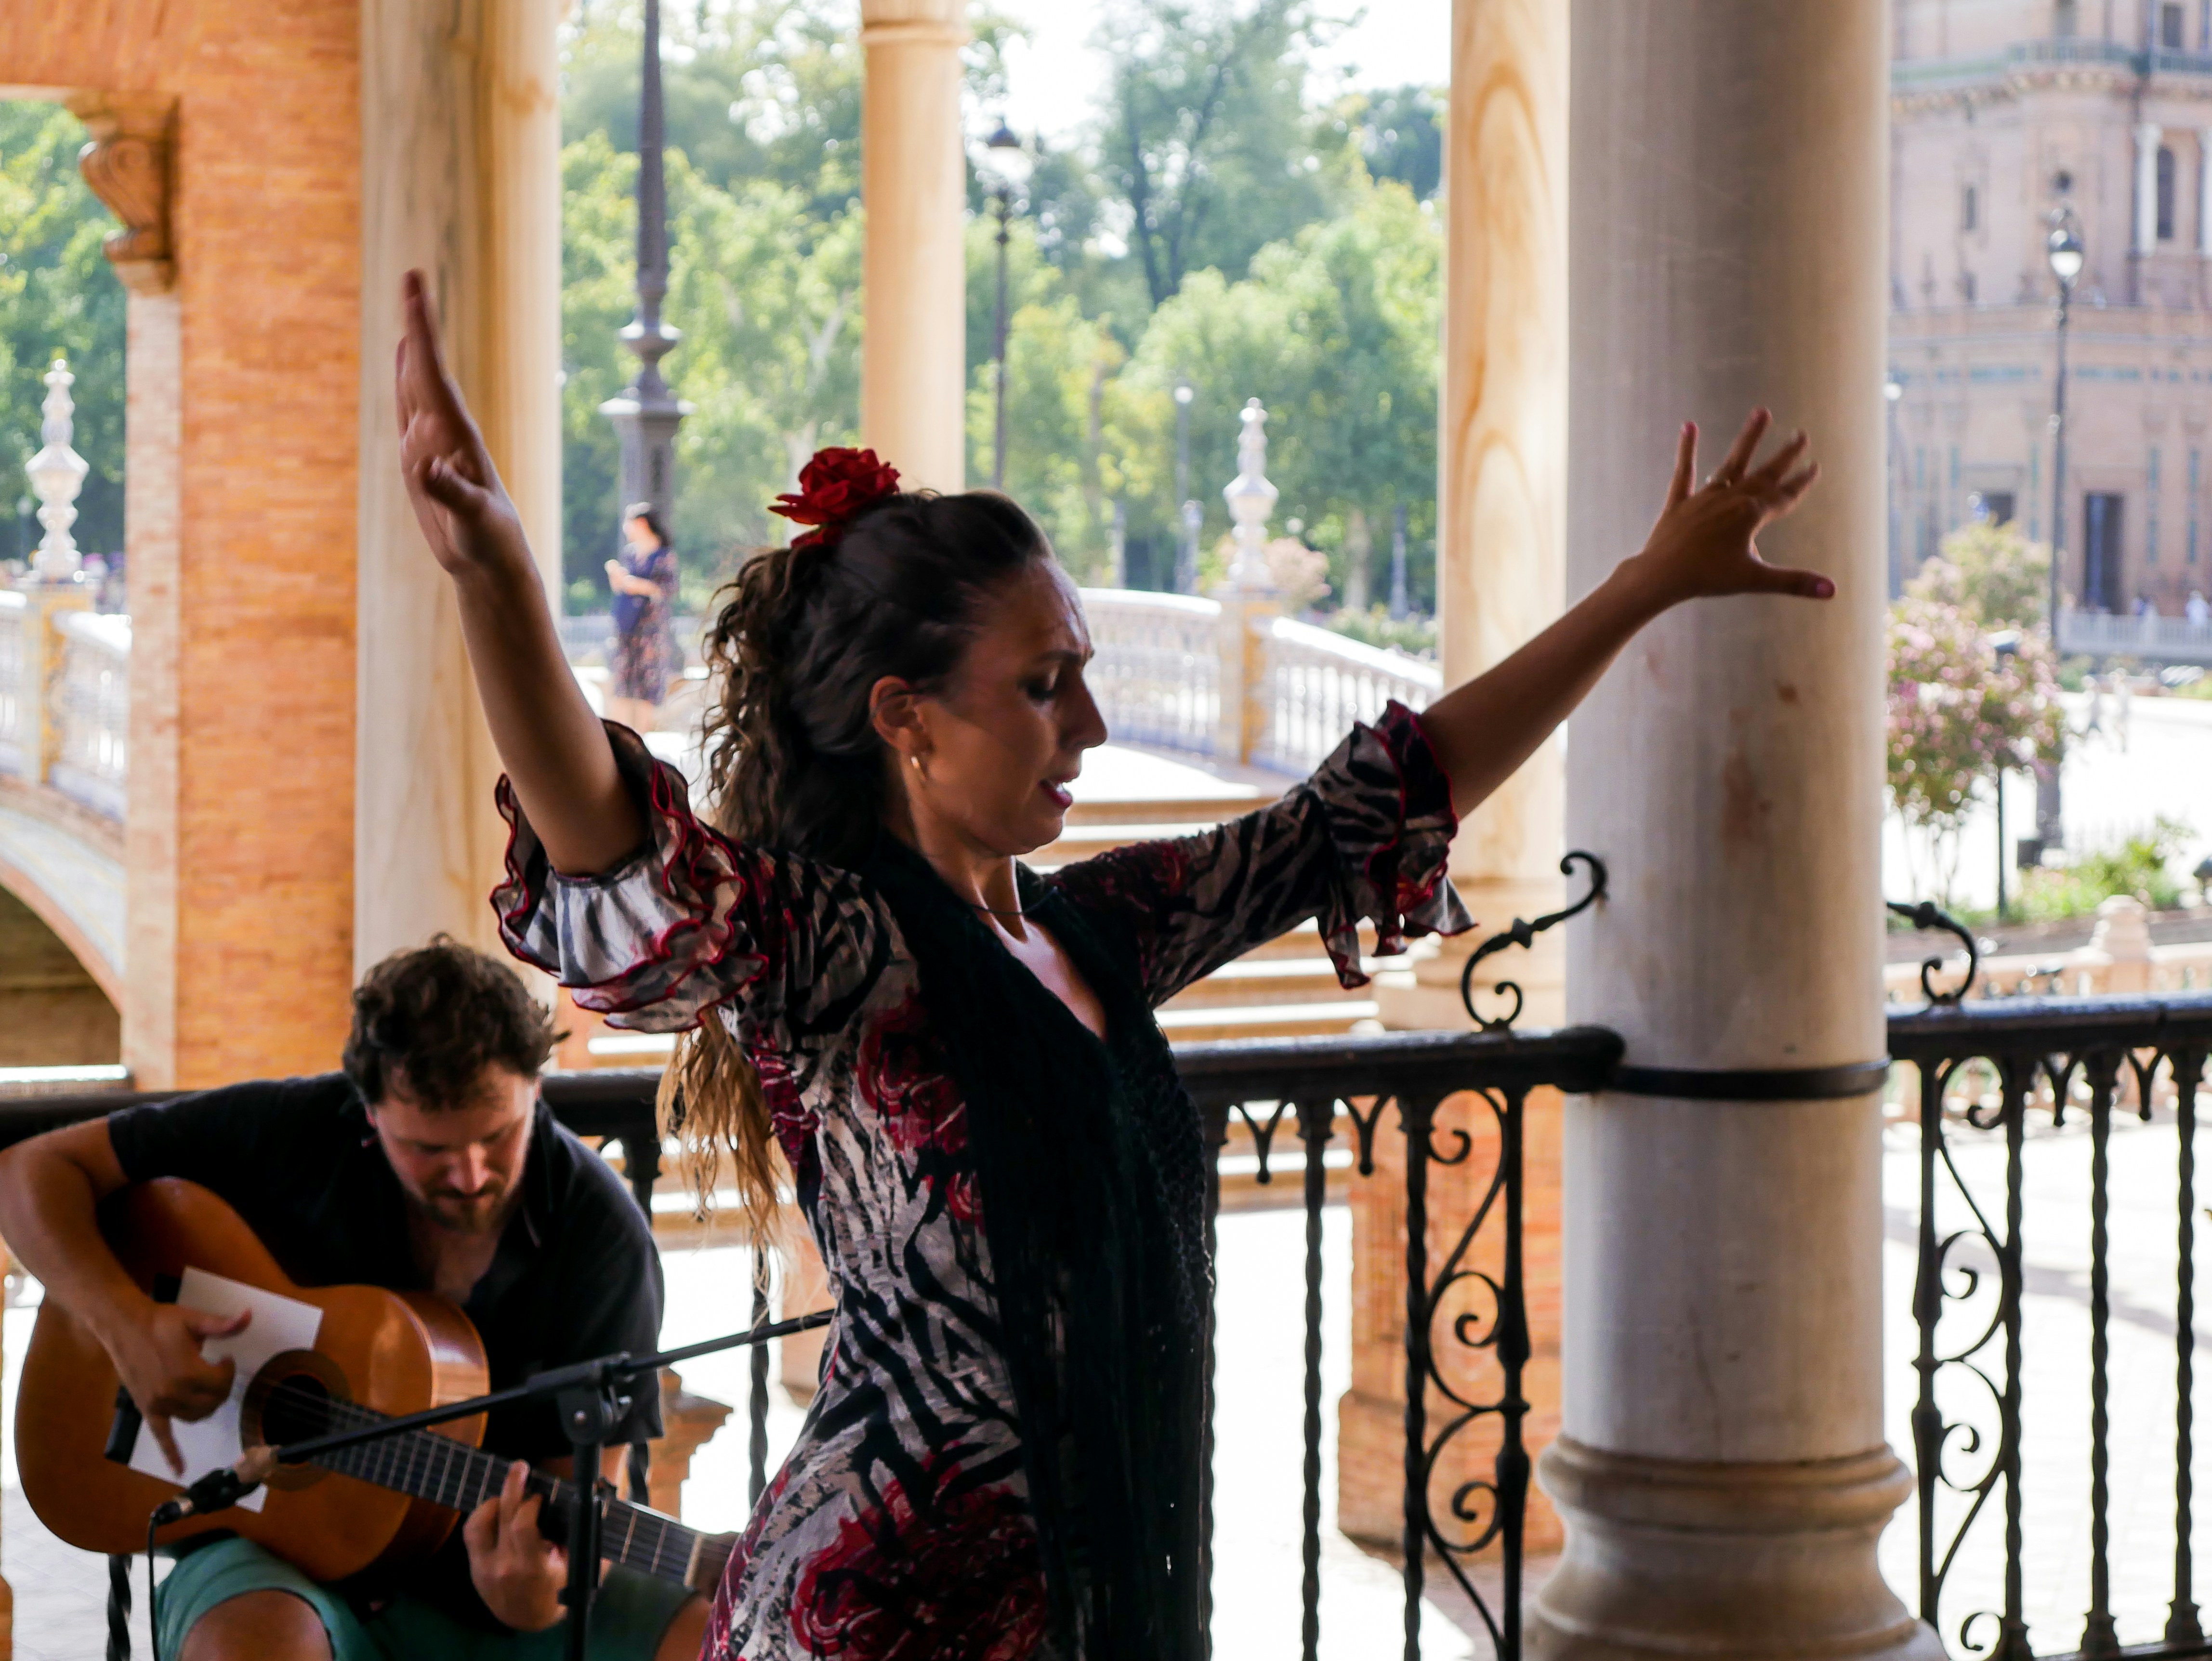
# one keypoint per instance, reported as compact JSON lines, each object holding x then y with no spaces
{"x":428,"y":1022}
{"x":793,"y":761}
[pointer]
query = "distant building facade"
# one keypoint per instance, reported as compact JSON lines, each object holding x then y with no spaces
{"x":2005,"y":111}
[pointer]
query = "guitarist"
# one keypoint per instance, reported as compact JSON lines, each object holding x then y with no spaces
{"x":427,"y":1163}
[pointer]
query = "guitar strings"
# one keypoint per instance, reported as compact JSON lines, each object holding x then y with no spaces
{"x":410,"y":1460}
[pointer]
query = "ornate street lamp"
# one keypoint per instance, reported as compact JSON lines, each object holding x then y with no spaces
{"x":2063,"y":248}
{"x":645,"y":413}
{"x":1186,"y":567}
{"x":1005,"y":165}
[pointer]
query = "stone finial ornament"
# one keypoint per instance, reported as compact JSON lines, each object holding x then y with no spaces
{"x":57,"y":473}
{"x":1251,"y":499}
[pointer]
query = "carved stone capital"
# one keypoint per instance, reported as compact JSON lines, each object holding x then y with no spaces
{"x":130,"y":166}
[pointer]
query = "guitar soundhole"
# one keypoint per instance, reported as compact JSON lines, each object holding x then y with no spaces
{"x":289,"y":1401}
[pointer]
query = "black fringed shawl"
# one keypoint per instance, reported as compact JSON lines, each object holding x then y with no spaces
{"x":1093,"y":1187}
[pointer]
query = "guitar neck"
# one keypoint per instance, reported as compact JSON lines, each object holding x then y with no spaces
{"x":451,"y":1474}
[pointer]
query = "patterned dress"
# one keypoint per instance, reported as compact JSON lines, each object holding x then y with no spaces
{"x":645,"y":656}
{"x":898,"y":1526}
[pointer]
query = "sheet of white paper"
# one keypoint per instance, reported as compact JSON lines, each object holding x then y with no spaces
{"x":279,"y":1323}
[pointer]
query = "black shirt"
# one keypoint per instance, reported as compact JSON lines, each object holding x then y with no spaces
{"x":576,"y":1275}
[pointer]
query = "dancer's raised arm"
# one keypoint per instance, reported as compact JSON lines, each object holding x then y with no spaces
{"x":1702,"y":546}
{"x":554,"y":748}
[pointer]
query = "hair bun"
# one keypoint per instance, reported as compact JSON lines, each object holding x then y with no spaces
{"x":836,"y":488}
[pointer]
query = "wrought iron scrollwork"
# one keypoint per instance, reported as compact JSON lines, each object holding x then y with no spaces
{"x":1523,"y":933}
{"x":1927,"y":914}
{"x":1988,"y":1079}
{"x":1479,"y":1513}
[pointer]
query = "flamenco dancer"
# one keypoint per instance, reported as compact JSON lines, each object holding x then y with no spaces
{"x":956,"y":1057}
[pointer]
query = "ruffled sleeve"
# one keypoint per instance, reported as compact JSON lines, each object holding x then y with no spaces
{"x":1364,"y":839}
{"x":689,"y":922}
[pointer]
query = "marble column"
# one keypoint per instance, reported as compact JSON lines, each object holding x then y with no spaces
{"x":1501,"y":479}
{"x":913,"y":183}
{"x":131,"y":165}
{"x":2148,"y":135}
{"x":460,"y":177}
{"x":1721,"y":1465}
{"x":1501,"y":563}
{"x":2205,"y":192}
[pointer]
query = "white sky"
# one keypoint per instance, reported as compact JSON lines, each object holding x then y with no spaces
{"x":1054,"y":78}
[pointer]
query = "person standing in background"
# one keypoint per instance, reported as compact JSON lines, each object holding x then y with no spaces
{"x":645,"y":655}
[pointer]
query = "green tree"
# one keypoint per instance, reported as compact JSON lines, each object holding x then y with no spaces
{"x":1206,"y":136}
{"x":1401,"y":134}
{"x":752,"y":91}
{"x":1335,"y":331}
{"x":768,"y":300}
{"x":58,"y":296}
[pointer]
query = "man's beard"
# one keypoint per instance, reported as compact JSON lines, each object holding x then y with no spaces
{"x":465,"y":1213}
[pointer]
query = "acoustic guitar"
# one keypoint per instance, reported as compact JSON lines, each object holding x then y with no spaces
{"x":377,"y":1354}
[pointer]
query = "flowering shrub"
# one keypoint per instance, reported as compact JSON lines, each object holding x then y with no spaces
{"x":1959,"y":709}
{"x":1991,"y":572}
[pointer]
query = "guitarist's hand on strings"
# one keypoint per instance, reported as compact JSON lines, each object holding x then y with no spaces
{"x":158,"y":1358}
{"x":518,"y":1571}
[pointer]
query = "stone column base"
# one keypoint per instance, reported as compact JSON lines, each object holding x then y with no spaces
{"x":1675,"y":1558}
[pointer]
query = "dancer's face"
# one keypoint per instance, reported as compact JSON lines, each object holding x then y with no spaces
{"x":990,"y":756}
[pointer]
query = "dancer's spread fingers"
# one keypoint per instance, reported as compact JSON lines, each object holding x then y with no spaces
{"x":1745,"y":446}
{"x":1686,"y":464}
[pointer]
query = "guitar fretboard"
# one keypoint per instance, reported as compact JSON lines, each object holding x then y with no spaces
{"x":447,"y":1473}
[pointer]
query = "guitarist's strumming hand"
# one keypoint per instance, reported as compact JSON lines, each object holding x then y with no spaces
{"x":158,"y":1358}
{"x":518,"y":1571}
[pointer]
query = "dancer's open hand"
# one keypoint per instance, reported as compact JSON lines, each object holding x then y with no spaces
{"x":463,"y":508}
{"x":1703,"y":543}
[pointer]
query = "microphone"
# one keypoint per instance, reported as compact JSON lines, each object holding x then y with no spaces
{"x":218,"y":1490}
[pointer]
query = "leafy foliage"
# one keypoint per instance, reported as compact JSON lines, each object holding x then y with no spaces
{"x":58,"y":296}
{"x":2139,"y":867}
{"x":1206,"y":136}
{"x":1313,"y":287}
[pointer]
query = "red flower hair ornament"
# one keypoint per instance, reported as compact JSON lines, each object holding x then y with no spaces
{"x":835,"y":488}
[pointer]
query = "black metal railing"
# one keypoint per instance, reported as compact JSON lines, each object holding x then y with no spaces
{"x":1999,"y":1077}
{"x":1319,"y":1085}
{"x":1465,"y":1293}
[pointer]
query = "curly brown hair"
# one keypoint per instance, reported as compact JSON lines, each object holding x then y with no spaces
{"x":428,"y":1022}
{"x":793,"y":761}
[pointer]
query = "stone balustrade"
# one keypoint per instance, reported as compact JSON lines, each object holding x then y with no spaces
{"x":1237,"y":683}
{"x":64,"y":694}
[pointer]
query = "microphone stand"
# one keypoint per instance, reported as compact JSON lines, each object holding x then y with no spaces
{"x":590,"y":1398}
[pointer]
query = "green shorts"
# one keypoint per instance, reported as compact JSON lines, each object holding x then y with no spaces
{"x":632,"y":1612}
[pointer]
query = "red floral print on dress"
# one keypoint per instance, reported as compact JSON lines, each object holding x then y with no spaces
{"x":954,"y":1577}
{"x":903,"y":1075}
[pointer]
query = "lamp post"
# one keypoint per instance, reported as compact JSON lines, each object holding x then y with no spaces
{"x":1007,"y":167}
{"x":1185,"y":566}
{"x":645,"y":413}
{"x":2064,"y":249}
{"x":1893,"y":390}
